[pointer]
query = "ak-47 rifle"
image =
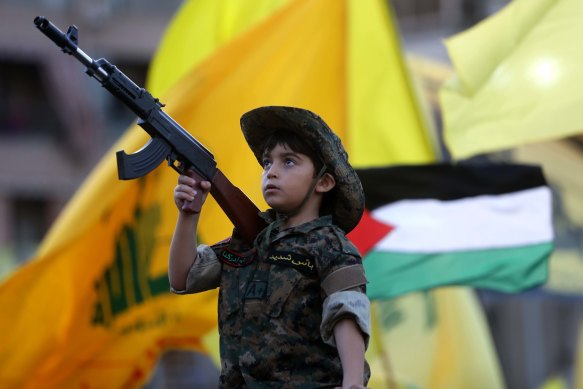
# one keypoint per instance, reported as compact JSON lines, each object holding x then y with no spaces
{"x":169,"y":140}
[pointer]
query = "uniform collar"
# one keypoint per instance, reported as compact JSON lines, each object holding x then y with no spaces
{"x":273,"y":233}
{"x":271,"y":216}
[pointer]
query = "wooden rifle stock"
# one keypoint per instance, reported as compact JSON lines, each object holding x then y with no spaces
{"x":237,"y":206}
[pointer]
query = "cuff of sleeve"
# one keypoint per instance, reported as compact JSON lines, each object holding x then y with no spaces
{"x":184,"y":291}
{"x":345,"y":304}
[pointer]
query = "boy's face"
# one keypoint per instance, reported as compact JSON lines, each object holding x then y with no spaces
{"x":287,"y":177}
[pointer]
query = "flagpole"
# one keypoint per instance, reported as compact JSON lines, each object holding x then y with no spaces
{"x":385,"y":359}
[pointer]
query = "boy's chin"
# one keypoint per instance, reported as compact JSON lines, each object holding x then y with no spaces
{"x":279,"y":209}
{"x":282,"y":208}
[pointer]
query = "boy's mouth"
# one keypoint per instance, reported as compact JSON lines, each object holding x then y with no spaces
{"x":269,"y":187}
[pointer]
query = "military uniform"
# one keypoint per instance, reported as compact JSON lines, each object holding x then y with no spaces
{"x":281,"y":297}
{"x":271,"y":303}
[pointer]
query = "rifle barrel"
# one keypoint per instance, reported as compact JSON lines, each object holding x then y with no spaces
{"x":69,"y":44}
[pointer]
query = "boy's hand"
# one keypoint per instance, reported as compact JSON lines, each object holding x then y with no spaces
{"x":191,"y":192}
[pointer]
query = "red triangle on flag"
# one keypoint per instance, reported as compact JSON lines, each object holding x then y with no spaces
{"x":368,"y":233}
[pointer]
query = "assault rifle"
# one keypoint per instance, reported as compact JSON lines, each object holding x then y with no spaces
{"x":169,"y":140}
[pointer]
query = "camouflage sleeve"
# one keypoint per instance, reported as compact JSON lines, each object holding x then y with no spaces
{"x":341,"y":305}
{"x":205,"y":272}
{"x":339,"y":263}
{"x":343,"y":285}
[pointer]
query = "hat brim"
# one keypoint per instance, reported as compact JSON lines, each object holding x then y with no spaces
{"x":259,"y":124}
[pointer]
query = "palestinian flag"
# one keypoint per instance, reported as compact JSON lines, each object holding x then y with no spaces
{"x":485,"y":226}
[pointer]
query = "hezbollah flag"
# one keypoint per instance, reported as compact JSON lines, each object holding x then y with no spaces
{"x":486,"y":226}
{"x":432,"y":340}
{"x":92,"y":309}
{"x":514,"y":79}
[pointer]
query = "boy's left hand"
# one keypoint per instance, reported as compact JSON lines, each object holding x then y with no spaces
{"x":191,"y":192}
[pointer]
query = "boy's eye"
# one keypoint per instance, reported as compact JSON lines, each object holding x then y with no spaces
{"x":289,"y":162}
{"x":266,"y":163}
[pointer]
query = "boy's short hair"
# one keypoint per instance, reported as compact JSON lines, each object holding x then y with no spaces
{"x":259,"y":124}
{"x":295,"y":143}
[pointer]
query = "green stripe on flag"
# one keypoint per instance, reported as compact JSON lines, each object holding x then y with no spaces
{"x":508,"y":270}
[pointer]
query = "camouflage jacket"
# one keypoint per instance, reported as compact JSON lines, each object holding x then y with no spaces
{"x":270,"y":306}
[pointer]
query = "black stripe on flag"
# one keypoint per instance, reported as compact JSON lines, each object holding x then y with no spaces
{"x":445,"y":181}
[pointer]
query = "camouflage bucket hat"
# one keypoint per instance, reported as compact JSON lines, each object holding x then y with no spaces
{"x":260,"y":123}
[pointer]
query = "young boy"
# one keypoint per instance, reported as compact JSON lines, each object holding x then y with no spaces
{"x":292,"y":307}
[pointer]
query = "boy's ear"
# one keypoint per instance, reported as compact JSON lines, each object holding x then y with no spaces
{"x":326,"y":183}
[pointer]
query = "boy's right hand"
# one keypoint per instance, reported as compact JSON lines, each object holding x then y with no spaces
{"x":191,"y":192}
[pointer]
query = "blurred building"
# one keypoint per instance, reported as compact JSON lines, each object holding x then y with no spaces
{"x":56,"y":123}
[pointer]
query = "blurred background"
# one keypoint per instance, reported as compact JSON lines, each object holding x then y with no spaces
{"x":56,"y":123}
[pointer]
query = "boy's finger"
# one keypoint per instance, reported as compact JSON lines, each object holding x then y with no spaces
{"x":189,"y":191}
{"x":181,"y":195}
{"x":183,"y":188}
{"x":185,"y":180}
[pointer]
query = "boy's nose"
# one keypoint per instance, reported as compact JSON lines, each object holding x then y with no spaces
{"x":272,"y":171}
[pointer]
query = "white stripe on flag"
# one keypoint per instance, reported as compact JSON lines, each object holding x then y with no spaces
{"x":481,"y":222}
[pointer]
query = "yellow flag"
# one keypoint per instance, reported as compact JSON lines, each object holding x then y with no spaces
{"x":197,"y":30}
{"x":515,"y":77}
{"x":385,"y":125}
{"x":435,"y":339}
{"x":93,"y":308}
